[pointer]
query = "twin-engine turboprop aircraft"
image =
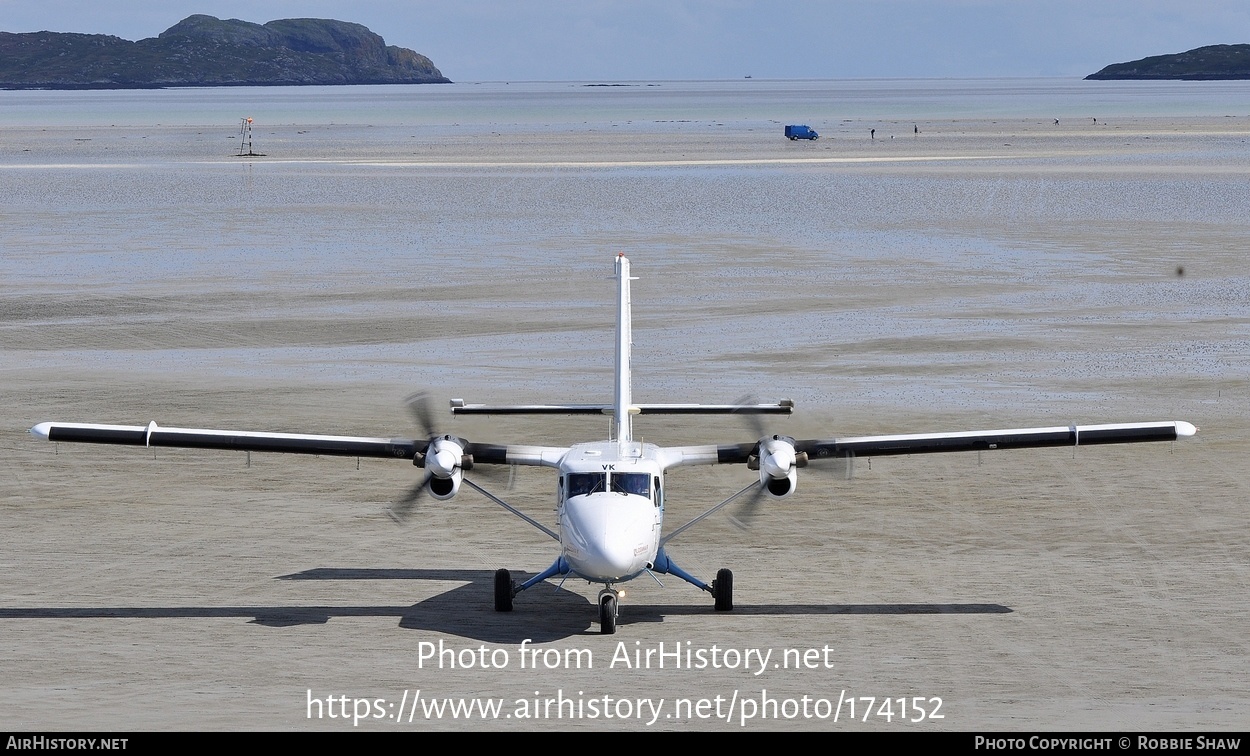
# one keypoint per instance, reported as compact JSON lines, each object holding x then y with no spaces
{"x":611,"y":493}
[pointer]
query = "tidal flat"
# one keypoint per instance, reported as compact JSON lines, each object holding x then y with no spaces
{"x":971,"y":264}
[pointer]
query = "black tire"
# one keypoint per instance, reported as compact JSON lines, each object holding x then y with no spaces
{"x":723,"y":591}
{"x":607,"y":615}
{"x":503,"y":591}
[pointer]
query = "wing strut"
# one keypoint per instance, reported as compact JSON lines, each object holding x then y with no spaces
{"x":511,"y":508}
{"x":754,"y":486}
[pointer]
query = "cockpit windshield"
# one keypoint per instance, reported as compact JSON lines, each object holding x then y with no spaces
{"x":638,"y":484}
{"x":581,"y":484}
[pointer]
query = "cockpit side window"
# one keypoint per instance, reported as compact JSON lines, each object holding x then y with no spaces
{"x":638,"y":484}
{"x":581,"y":484}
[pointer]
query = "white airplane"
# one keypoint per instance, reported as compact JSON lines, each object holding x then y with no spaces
{"x":611,"y":493}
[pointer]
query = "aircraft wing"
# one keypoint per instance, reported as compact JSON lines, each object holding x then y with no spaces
{"x":202,"y":438}
{"x":289,"y":443}
{"x":1014,"y":438}
{"x":928,"y":443}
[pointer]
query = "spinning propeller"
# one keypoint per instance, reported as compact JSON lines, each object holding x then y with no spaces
{"x":444,"y":460}
{"x":775,"y":458}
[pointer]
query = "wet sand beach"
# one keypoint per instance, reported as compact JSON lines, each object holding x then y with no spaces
{"x":982,"y":273}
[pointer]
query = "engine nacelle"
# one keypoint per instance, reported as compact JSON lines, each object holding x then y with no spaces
{"x":444,"y":488}
{"x":779,"y":488}
{"x":778,"y":464}
{"x":444,"y":461}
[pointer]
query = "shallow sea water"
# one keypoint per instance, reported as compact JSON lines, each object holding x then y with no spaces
{"x":388,"y":226}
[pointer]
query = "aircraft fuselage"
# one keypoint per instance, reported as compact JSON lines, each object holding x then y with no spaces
{"x":610,"y":509}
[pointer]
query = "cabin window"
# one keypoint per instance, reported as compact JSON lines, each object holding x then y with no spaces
{"x":638,"y":484}
{"x":581,"y":484}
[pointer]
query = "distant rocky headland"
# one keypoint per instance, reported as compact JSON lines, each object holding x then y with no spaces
{"x":203,"y":51}
{"x":1201,"y":64}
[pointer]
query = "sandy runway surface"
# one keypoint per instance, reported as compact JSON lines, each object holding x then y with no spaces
{"x":1101,"y":589}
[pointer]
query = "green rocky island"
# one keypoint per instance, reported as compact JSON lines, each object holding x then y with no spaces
{"x":1200,"y":64}
{"x":203,"y":51}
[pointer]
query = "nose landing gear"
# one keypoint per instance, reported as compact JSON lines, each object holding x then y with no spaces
{"x":608,"y":610}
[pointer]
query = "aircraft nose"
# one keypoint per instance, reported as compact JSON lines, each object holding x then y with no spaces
{"x":615,"y":555}
{"x":612,"y":534}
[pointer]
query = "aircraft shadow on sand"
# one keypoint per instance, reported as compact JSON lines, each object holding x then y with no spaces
{"x":548,"y":614}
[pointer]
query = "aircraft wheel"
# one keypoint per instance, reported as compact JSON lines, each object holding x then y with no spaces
{"x":503,"y":591}
{"x":607,"y":614}
{"x":723,"y":590}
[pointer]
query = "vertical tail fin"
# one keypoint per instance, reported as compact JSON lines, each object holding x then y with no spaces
{"x":623,"y":401}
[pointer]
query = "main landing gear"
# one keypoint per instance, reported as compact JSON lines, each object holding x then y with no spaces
{"x":504,"y":591}
{"x":723,"y":590}
{"x":609,"y":601}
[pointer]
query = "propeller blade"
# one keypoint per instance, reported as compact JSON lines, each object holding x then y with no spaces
{"x":403,"y":508}
{"x":745,"y":515}
{"x":419,"y":407}
{"x":744,"y":518}
{"x":752,"y":420}
{"x":497,"y":476}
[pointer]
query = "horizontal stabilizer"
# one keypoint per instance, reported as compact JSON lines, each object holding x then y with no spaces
{"x":783,"y":407}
